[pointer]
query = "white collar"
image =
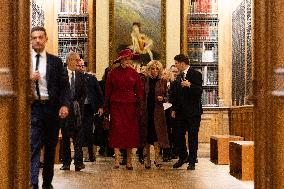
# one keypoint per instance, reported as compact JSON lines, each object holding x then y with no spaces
{"x":186,"y":70}
{"x":42,"y":54}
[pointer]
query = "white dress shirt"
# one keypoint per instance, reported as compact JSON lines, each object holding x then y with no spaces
{"x":185,"y":72}
{"x":70,"y":75}
{"x":42,"y":70}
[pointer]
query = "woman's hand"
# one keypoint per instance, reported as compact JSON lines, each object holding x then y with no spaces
{"x":160,"y":98}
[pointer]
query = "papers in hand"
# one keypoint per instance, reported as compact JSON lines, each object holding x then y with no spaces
{"x":167,"y":105}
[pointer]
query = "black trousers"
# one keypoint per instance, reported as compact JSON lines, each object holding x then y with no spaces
{"x":88,"y":134}
{"x":44,"y":132}
{"x":77,"y":138}
{"x":190,"y":124}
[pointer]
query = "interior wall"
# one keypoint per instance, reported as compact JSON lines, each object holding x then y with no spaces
{"x":50,"y":23}
{"x":102,"y":37}
{"x":173,"y":31}
{"x":225,"y":52}
{"x":226,"y":9}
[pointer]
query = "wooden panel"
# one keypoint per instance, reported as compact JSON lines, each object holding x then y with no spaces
{"x":214,"y":121}
{"x":241,"y":122}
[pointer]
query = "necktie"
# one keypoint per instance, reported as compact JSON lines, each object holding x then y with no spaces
{"x":36,"y":68}
{"x":72,"y":85}
{"x":182,"y":75}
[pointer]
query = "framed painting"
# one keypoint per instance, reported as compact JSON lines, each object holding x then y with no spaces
{"x":139,"y":25}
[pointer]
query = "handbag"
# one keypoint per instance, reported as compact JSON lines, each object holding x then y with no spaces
{"x":106,"y":123}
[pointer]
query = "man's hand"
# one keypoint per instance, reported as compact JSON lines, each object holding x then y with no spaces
{"x":35,"y":75}
{"x":160,"y":98}
{"x":185,"y":83}
{"x":63,"y":112}
{"x":100,"y":112}
{"x":173,"y":114}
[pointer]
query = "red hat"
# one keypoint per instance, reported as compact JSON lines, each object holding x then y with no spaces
{"x":126,"y":53}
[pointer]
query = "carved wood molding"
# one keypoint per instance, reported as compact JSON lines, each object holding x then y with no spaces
{"x":6,"y":83}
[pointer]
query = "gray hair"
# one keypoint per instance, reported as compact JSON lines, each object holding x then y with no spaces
{"x":70,"y":56}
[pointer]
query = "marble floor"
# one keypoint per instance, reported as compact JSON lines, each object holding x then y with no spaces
{"x":102,"y":175}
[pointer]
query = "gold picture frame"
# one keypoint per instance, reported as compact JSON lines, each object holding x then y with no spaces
{"x":114,"y":14}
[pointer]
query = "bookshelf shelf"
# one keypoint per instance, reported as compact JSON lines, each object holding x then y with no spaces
{"x":72,"y":28}
{"x":63,"y":38}
{"x":71,"y":15}
{"x":210,"y":86}
{"x":202,"y":46}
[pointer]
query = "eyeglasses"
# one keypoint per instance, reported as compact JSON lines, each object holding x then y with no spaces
{"x":81,"y":66}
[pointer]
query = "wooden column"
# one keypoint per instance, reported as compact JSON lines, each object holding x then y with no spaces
{"x":14,"y":87}
{"x":92,"y":35}
{"x":269,"y":112}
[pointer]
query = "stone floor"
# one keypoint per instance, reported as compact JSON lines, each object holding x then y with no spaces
{"x":102,"y":175}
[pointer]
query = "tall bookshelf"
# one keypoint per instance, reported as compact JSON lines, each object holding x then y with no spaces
{"x":202,"y":46}
{"x":73,"y":28}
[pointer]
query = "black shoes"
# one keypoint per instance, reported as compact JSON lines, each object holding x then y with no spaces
{"x":180,"y":162}
{"x":191,"y":167}
{"x":90,"y":159}
{"x":79,"y":167}
{"x":141,"y":159}
{"x":65,"y":168}
{"x":123,"y":161}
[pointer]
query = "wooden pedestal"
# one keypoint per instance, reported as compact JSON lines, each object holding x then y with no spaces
{"x":219,"y":148}
{"x":242,"y":159}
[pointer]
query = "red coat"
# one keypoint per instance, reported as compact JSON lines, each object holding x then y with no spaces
{"x":123,"y":91}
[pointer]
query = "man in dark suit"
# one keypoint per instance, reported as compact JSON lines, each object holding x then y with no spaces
{"x":93,"y":106}
{"x":187,"y":110}
{"x":51,"y":101}
{"x":73,"y":123}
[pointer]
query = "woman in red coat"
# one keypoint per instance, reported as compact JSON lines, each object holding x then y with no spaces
{"x":123,"y":92}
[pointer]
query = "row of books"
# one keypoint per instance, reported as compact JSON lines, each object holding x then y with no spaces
{"x":209,"y":75}
{"x":204,"y":7}
{"x":200,"y":55}
{"x":73,"y":6}
{"x":209,"y":97}
{"x":211,"y":78}
{"x":72,"y":29}
{"x":65,"y":47}
{"x":202,"y":31}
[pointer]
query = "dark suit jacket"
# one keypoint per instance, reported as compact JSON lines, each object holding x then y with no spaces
{"x":57,"y":81}
{"x":187,"y":100}
{"x":80,"y":92}
{"x":77,"y":102}
{"x":93,"y":92}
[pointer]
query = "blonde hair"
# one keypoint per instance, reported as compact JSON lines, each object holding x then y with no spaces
{"x":154,"y":63}
{"x":168,"y":75}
